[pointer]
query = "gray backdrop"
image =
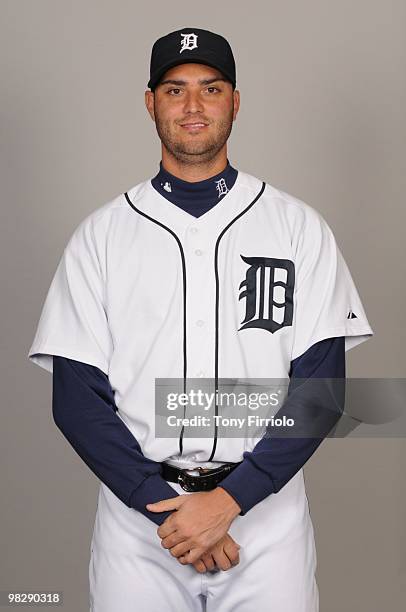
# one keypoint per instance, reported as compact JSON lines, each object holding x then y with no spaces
{"x":323,"y":87}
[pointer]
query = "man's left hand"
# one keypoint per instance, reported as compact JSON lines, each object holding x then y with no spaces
{"x":199,"y":522}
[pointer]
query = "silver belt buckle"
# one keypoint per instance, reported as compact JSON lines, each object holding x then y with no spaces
{"x":183,"y":477}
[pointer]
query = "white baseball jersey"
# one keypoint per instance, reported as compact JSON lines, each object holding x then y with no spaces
{"x":144,"y":290}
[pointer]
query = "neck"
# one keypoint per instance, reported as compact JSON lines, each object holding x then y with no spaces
{"x":195,"y":197}
{"x":194,"y":171}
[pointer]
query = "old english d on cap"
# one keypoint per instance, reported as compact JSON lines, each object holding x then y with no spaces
{"x":191,"y":45}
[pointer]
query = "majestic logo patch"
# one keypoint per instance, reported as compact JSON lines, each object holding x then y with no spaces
{"x":221,"y":187}
{"x":351,"y":315}
{"x":188,"y":42}
{"x":268,"y":292}
{"x":167,"y":186}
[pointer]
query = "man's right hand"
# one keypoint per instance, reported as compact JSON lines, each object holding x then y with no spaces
{"x":224,"y":555}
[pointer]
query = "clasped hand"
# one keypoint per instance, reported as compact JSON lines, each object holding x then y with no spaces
{"x":197,"y":532}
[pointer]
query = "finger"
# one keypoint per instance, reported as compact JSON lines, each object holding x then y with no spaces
{"x":200,"y":566}
{"x":194,"y":554}
{"x":229,"y":540}
{"x":172,"y":540}
{"x":166,"y":528}
{"x":182,"y":549}
{"x":172,"y":503}
{"x":208,"y":561}
{"x":221,"y":559}
{"x":232,"y":553}
{"x":235,"y":560}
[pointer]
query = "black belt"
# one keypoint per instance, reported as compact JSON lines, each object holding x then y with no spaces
{"x":205,"y":479}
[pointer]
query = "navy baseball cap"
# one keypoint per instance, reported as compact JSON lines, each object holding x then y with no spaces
{"x":191,"y":45}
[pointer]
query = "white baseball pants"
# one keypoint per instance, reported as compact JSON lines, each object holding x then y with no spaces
{"x":129,"y":570}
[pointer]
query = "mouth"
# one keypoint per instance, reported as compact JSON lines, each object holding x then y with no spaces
{"x":194,"y":126}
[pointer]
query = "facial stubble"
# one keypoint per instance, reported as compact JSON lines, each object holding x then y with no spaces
{"x":199,"y":150}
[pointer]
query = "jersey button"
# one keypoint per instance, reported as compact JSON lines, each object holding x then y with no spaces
{"x":200,"y":374}
{"x":198,"y":252}
{"x":193,"y":230}
{"x":200,"y":323}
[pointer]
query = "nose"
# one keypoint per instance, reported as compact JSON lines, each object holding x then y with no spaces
{"x":193,"y":102}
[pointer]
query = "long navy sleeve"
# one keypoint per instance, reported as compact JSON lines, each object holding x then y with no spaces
{"x":274,"y":461}
{"x":84,"y":410}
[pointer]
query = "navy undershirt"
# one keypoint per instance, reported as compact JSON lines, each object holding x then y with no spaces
{"x":84,"y":408}
{"x":195,"y":198}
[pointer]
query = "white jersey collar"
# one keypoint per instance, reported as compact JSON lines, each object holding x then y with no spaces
{"x":149,"y":202}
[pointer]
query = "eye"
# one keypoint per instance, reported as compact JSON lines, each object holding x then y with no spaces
{"x":213,"y":88}
{"x":174,"y":89}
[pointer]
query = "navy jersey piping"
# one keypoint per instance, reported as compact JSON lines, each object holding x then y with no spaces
{"x":216,"y":302}
{"x":216,"y":354}
{"x":182,"y":255}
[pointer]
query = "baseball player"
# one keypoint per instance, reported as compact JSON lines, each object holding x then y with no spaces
{"x":202,"y":272}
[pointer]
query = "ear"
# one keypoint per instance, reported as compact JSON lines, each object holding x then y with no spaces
{"x":236,"y":96}
{"x":149,"y":103}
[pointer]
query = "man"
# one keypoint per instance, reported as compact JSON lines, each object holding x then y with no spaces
{"x":202,"y":272}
